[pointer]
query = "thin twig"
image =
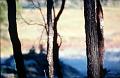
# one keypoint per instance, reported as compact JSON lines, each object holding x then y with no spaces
{"x":53,"y":11}
{"x":41,"y":14}
{"x":29,"y":22}
{"x":41,"y":36}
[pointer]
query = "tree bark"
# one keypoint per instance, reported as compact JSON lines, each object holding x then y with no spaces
{"x":50,"y":38}
{"x":91,"y":39}
{"x":99,"y":13}
{"x":14,"y":39}
{"x":57,"y":65}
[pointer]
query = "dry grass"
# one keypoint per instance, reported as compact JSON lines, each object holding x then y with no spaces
{"x":71,"y":28}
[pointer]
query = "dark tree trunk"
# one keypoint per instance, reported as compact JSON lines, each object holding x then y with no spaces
{"x":57,"y":65}
{"x":56,"y":52}
{"x":14,"y":39}
{"x":50,"y":38}
{"x":99,"y":13}
{"x":91,"y":39}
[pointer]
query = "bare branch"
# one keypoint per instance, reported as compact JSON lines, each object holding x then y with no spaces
{"x":41,"y":14}
{"x":41,"y":36}
{"x":27,"y":22}
{"x":61,"y":10}
{"x":53,"y":11}
{"x":39,"y":10}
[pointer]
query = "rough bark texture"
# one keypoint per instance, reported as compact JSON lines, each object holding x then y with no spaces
{"x":91,"y":39}
{"x":99,"y":13}
{"x":14,"y":39}
{"x":50,"y":38}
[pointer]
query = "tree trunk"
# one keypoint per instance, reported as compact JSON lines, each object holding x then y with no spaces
{"x":50,"y":38}
{"x":55,"y":44}
{"x":91,"y":39}
{"x":99,"y":13}
{"x":56,"y":52}
{"x":14,"y":39}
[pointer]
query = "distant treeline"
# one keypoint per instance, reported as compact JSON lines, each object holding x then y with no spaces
{"x":69,"y":3}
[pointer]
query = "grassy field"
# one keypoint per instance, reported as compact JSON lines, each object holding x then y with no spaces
{"x":70,"y":27}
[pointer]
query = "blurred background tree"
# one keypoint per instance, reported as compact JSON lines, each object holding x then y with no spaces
{"x":2,"y":11}
{"x":3,"y":26}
